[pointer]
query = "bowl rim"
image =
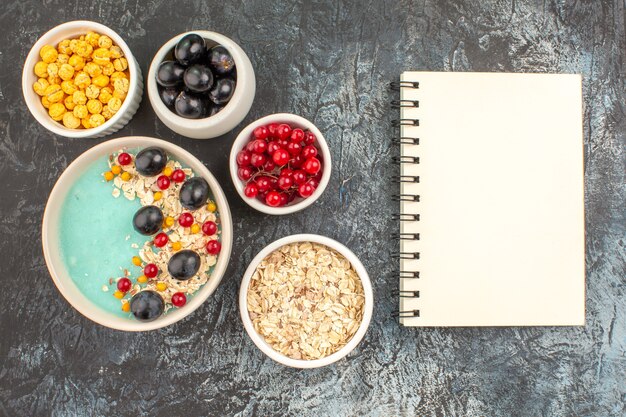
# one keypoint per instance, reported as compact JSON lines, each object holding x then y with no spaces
{"x":243,"y":137}
{"x":257,"y":339}
{"x":206,"y":122}
{"x":59,"y":193}
{"x":50,"y":38}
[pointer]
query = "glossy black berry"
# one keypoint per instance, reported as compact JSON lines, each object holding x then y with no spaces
{"x":214,"y":110}
{"x":221,"y":60}
{"x":168,"y":96}
{"x":170,"y":74}
{"x":147,"y":305}
{"x":190,"y":49}
{"x":148,"y":220}
{"x":194,"y":193}
{"x":184,"y":264}
{"x":191,"y":106}
{"x":222,"y":91}
{"x":150,"y":161}
{"x":198,"y":78}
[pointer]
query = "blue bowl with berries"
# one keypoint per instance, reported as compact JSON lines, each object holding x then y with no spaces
{"x":201,"y":84}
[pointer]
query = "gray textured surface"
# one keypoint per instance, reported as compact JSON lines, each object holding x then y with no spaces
{"x":330,"y":62}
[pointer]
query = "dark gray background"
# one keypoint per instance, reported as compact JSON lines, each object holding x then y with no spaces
{"x":330,"y":62}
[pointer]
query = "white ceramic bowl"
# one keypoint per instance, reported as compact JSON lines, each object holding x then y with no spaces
{"x":73,"y":30}
{"x":258,"y":339}
{"x":295,"y":121}
{"x":230,"y":116}
{"x":50,"y":237}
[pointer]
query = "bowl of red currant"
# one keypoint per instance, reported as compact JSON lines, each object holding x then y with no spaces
{"x":201,"y":84}
{"x":280,"y":164}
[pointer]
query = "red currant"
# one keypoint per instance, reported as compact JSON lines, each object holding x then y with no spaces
{"x":263,"y":183}
{"x":213,"y":247}
{"x":313,"y":183}
{"x":124,"y":284}
{"x":244,"y":173}
{"x":283,"y":199}
{"x":178,"y":175}
{"x":163,"y":182}
{"x":297,"y":135}
{"x":150,"y":270}
{"x":309,"y":151}
{"x":312,"y":166}
{"x":259,"y":146}
{"x":305,"y":190}
{"x":286,"y":172}
{"x":272,"y":128}
{"x":280,"y":157}
{"x":124,"y":158}
{"x":298,"y":161}
{"x":257,"y":159}
{"x":209,"y":228}
{"x":273,"y":199}
{"x":243,"y":158}
{"x":160,"y":240}
{"x":283,"y":143}
{"x":285,"y":182}
{"x":294,"y":148}
{"x":269,"y":165}
{"x":179,"y":299}
{"x":185,"y":219}
{"x":283,"y":131}
{"x":272,"y":147}
{"x":251,"y":190}
{"x":309,"y":138}
{"x":260,"y":133}
{"x":299,"y":176}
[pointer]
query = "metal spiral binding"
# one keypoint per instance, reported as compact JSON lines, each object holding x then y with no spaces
{"x":404,"y":197}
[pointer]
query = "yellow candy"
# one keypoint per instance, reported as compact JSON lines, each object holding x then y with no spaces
{"x":101,"y":56}
{"x":119,"y":94}
{"x":40,"y":86}
{"x":161,"y":286}
{"x":158,"y":195}
{"x":83,"y":49}
{"x":66,"y":72}
{"x":118,"y":294}
{"x":106,"y":112}
{"x":82,"y":80}
{"x":79,"y":97}
{"x":56,"y":111}
{"x":167,"y":171}
{"x":81,"y":111}
{"x":125,"y":175}
{"x":108,"y":69}
{"x":64,"y":47}
{"x":53,"y":93}
{"x":73,"y":45}
{"x":108,"y":176}
{"x":92,"y":39}
{"x":68,"y":102}
{"x":45,"y":102}
{"x":176,"y":246}
{"x":94,"y":106}
{"x":55,"y":80}
{"x":142,"y":279}
{"x":126,"y":307}
{"x":116,"y":169}
{"x":53,"y":69}
{"x":105,"y":95}
{"x":117,"y":75}
{"x":120,"y":64}
{"x":121,"y":84}
{"x":68,"y":87}
{"x":169,"y":221}
{"x":114,"y":104}
{"x":92,"y":91}
{"x":98,"y":120}
{"x":41,"y":69}
{"x":105,"y":42}
{"x":70,"y":121}
{"x":85,"y":123}
{"x":195,"y":228}
{"x":92,"y":69}
{"x":136,"y":261}
{"x":211,"y":207}
{"x":77,"y":62}
{"x":101,"y":80}
{"x":48,"y":54}
{"x":62,"y":59}
{"x":116,"y":52}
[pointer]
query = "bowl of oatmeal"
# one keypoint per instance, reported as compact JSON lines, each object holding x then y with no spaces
{"x":306,"y":301}
{"x":137,"y":233}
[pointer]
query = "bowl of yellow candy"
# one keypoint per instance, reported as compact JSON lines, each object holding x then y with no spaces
{"x":81,"y":80}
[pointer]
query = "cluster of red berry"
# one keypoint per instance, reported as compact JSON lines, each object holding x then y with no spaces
{"x":279,"y":164}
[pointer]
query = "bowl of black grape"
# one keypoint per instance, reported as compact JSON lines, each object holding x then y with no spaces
{"x":201,"y":84}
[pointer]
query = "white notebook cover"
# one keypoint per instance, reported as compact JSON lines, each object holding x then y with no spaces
{"x":502,"y":240}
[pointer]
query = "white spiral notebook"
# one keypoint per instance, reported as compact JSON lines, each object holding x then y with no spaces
{"x":491,"y":199}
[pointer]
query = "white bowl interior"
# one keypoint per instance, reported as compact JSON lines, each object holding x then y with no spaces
{"x":50,"y":237}
{"x":258,"y":339}
{"x":295,"y":121}
{"x":53,"y":37}
{"x":231,"y":115}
